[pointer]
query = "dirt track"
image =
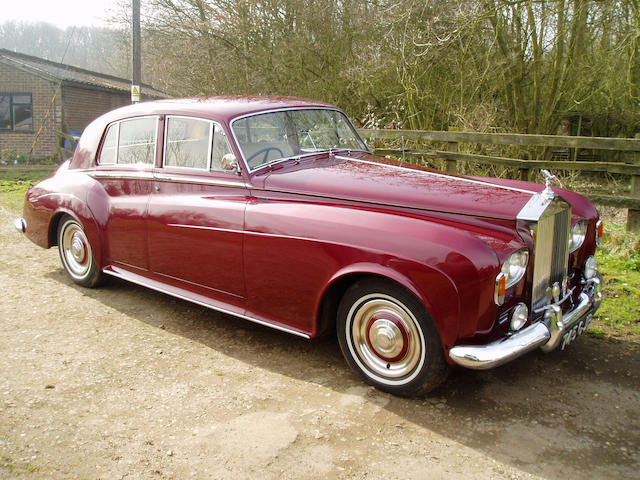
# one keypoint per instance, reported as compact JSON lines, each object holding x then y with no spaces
{"x":123,"y":382}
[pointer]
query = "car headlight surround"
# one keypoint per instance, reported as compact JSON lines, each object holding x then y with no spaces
{"x":578,"y":234}
{"x":515,"y":267}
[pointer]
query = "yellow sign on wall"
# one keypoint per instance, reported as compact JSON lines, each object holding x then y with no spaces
{"x":135,"y":93}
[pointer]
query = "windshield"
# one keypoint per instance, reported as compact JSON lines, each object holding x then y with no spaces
{"x":269,"y":137}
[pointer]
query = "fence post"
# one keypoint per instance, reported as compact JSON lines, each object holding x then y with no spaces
{"x":633,"y":216}
{"x":451,"y":165}
{"x":525,"y":173}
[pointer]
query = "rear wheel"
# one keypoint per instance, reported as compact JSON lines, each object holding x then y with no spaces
{"x":387,"y":336}
{"x":76,"y":255}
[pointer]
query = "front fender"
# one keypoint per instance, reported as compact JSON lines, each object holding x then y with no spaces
{"x":429,"y":284}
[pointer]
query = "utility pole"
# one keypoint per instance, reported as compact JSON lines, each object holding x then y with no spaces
{"x":136,"y":70}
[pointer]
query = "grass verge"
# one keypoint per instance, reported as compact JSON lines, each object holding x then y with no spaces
{"x":619,"y":261}
{"x":15,"y":181}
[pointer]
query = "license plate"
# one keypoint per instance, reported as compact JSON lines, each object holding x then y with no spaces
{"x":575,"y":331}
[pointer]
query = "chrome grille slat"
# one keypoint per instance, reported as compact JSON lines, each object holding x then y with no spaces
{"x":560,"y":245}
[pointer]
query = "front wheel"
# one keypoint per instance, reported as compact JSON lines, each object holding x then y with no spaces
{"x":389,"y":339}
{"x":76,"y":255}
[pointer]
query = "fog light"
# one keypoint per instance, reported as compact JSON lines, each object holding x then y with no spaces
{"x":519,"y":317}
{"x":590,"y":268}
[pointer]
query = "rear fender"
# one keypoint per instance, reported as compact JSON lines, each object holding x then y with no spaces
{"x":79,"y":211}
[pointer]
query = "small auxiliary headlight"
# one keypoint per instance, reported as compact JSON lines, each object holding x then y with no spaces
{"x":590,"y":268}
{"x":519,"y":317}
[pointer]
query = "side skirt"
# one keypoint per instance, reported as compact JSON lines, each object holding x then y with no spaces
{"x":193,"y":298}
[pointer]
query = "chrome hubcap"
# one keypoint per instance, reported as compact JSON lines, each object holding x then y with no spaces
{"x":75,"y":249}
{"x":385,"y":336}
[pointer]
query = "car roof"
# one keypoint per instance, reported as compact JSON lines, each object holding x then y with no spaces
{"x":221,"y":108}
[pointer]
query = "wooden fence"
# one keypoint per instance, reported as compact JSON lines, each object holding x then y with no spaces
{"x":451,"y":156}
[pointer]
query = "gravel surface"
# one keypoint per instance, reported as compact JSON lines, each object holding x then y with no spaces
{"x":123,"y":382}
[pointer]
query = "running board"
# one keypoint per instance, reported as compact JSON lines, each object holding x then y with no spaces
{"x":190,"y":297}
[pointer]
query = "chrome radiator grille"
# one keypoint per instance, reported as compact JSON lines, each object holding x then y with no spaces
{"x":551,"y":250}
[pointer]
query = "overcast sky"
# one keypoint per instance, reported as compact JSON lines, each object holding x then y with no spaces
{"x":61,"y":13}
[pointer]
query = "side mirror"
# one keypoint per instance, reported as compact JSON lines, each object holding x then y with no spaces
{"x":230,"y":164}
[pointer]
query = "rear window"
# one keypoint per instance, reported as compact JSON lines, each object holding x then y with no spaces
{"x":130,"y":142}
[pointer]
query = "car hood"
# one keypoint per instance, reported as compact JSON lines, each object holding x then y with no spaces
{"x":366,"y":178}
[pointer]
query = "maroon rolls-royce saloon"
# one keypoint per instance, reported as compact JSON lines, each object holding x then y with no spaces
{"x":275,"y":210}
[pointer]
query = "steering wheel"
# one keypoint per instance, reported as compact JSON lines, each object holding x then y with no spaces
{"x":266,"y":151}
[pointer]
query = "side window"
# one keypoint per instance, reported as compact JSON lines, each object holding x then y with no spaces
{"x":108,"y":154}
{"x":220,"y":148}
{"x":188,"y":143}
{"x":137,"y":141}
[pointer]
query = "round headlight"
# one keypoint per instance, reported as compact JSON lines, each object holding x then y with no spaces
{"x":578,"y":232}
{"x":519,"y":317}
{"x":590,"y":268}
{"x":515,"y":266}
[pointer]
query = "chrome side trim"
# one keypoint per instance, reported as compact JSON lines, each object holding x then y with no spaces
{"x":546,"y":334}
{"x":249,"y":232}
{"x":165,"y":177}
{"x":125,"y":174}
{"x":159,"y":287}
{"x":202,"y":227}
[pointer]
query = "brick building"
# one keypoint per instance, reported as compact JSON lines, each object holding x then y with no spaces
{"x":43,"y":102}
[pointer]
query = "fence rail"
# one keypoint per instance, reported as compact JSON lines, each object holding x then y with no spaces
{"x":452,"y":156}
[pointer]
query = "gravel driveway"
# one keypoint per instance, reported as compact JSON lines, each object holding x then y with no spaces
{"x":123,"y":382}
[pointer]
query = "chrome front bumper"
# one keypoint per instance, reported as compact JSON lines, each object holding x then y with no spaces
{"x":546,"y":334}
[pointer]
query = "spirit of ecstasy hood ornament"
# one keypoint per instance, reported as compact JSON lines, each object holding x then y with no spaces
{"x":548,"y":191}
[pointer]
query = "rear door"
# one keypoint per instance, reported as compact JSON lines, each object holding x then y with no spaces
{"x":125,"y":170}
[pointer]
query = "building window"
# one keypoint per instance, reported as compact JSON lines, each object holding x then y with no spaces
{"x":16,"y":112}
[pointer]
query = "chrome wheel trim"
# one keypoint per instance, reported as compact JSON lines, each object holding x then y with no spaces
{"x":75,"y":250}
{"x":385,"y":339}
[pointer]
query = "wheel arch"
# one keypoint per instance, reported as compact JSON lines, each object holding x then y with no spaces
{"x":343,"y":279}
{"x":88,"y":224}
